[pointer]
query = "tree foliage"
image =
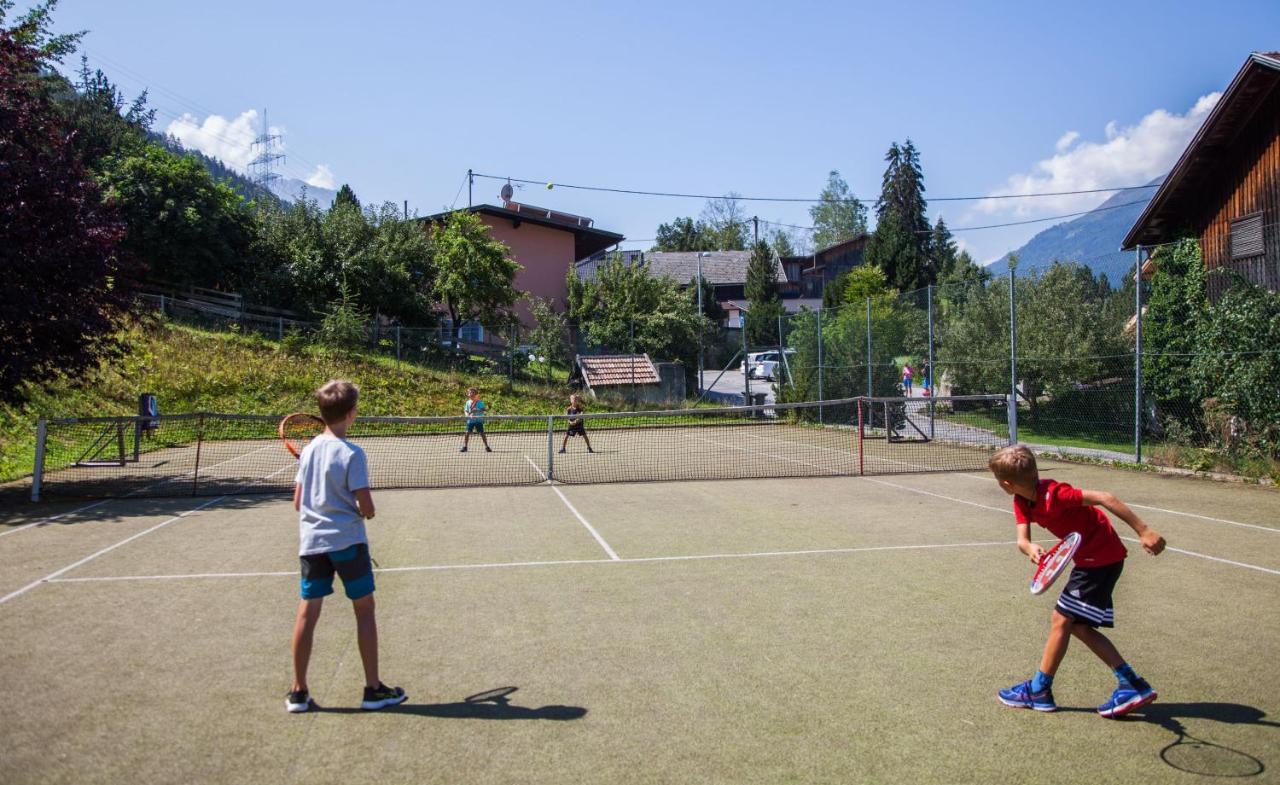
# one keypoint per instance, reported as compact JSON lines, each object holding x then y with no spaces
{"x":727,"y":223}
{"x":900,"y":244}
{"x":839,"y":216}
{"x":684,"y":234}
{"x":67,"y":286}
{"x":474,"y":273}
{"x":627,"y":310}
{"x":550,"y":333}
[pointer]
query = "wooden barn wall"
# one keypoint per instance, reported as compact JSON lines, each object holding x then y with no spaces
{"x":1248,"y":182}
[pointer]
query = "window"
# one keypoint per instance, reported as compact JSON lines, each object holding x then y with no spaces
{"x":1246,"y":237}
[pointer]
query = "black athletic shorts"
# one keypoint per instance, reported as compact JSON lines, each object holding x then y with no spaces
{"x":352,"y":564}
{"x":577,"y":429}
{"x":1087,"y":596}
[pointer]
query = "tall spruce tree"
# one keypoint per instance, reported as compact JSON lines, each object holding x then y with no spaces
{"x":762,"y":290}
{"x":839,"y":216}
{"x":900,"y":244}
{"x":942,"y":250}
{"x":346,"y":196}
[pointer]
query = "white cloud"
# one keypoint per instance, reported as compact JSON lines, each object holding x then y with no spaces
{"x":322,"y":177}
{"x":230,"y":141}
{"x":1131,"y":155}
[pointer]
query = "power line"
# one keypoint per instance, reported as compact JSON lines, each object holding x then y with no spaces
{"x":809,"y":200}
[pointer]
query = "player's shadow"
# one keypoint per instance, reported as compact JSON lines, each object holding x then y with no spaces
{"x":488,"y":705}
{"x":1193,"y":755}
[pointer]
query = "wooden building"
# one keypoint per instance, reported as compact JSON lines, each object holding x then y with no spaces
{"x":1225,"y":189}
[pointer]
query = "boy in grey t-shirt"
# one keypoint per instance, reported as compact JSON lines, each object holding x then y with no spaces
{"x":331,"y":495}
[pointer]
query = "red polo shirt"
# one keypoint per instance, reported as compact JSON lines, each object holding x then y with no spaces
{"x":1060,"y":508}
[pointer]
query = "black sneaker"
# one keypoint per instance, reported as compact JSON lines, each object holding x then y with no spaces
{"x":464,"y":449}
{"x":561,"y":450}
{"x":486,"y":448}
{"x":298,"y":701}
{"x":590,"y":450}
{"x":382,"y":696}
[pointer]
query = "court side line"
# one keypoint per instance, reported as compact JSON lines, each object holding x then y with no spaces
{"x":559,"y":562}
{"x":53,"y":518}
{"x":1183,"y":551}
{"x":983,"y":478}
{"x":574,"y":510}
{"x":11,"y":595}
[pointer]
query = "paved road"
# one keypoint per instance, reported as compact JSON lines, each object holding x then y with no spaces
{"x":730,"y":387}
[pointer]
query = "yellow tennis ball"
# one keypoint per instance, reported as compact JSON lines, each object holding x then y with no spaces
{"x":550,"y":186}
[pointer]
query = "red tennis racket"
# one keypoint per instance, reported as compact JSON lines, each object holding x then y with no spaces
{"x":1053,"y":562}
{"x":296,"y":430}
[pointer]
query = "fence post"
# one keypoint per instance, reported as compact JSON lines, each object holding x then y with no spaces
{"x":819,"y":318}
{"x":870,"y":392}
{"x":932,"y":388}
{"x":1137,"y":356}
{"x":1012,"y":414}
{"x":1013,"y":339}
{"x":279,"y":328}
{"x":37,"y":474}
{"x":162,"y":313}
{"x":551,"y":446}
{"x":397,"y":344}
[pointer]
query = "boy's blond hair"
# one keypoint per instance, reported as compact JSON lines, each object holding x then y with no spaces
{"x":1015,"y":463}
{"x":336,"y":398}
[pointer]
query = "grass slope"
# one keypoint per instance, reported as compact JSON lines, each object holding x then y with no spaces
{"x":192,"y":370}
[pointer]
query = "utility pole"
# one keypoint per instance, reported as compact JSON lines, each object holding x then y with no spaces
{"x":755,"y":221}
{"x":471,"y":178}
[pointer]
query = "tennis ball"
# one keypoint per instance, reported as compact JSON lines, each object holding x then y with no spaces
{"x":550,"y":186}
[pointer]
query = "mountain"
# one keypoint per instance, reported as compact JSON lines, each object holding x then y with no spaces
{"x":1092,"y":239}
{"x":291,"y":190}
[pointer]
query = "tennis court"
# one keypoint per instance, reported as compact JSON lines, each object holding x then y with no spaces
{"x":804,"y":629}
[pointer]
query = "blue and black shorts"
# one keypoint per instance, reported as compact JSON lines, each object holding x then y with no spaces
{"x":352,"y":564}
{"x":475,"y":425}
{"x":1087,"y":596}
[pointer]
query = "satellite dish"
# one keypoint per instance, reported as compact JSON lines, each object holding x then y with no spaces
{"x":507,"y":192}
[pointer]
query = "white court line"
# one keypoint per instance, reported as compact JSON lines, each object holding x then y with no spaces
{"x":574,"y":510}
{"x":53,"y":518}
{"x":985,"y":478}
{"x":105,"y":550}
{"x":560,"y":562}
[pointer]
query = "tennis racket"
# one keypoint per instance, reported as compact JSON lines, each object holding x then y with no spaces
{"x":296,"y":430}
{"x":1053,"y":562}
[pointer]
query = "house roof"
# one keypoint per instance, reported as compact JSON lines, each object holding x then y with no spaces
{"x":1202,"y":159}
{"x":607,"y":370}
{"x":719,"y":267}
{"x":587,"y":239}
{"x":789,"y":305}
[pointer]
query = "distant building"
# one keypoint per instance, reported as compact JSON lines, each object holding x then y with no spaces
{"x":809,"y":275}
{"x":545,"y":242}
{"x":1226,"y":186}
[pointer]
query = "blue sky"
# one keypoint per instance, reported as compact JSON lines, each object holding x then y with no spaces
{"x":399,"y":99}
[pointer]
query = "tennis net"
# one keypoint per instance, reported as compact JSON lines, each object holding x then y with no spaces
{"x":214,"y":454}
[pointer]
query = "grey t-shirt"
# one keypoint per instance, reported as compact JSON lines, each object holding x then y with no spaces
{"x":330,"y":471}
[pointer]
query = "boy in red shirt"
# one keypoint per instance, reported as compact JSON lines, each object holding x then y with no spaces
{"x":1085,"y":603}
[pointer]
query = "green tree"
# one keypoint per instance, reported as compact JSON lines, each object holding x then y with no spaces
{"x":346,"y":197}
{"x":684,"y":234}
{"x":942,"y":250}
{"x":839,"y":216}
{"x":782,"y":244}
{"x":474,"y":273}
{"x":900,"y":243}
{"x":761,"y":322}
{"x":727,"y":223}
{"x":182,"y":225}
{"x":1175,"y":311}
{"x":550,"y":334}
{"x":626,"y":309}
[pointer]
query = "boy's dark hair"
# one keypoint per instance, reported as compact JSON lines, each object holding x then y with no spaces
{"x":336,"y":398}
{"x":1015,"y":463}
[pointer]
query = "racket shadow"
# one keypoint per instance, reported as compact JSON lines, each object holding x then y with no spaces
{"x":1193,"y":755}
{"x":476,"y":707}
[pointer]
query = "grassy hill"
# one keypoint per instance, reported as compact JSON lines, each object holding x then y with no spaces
{"x":192,"y":370}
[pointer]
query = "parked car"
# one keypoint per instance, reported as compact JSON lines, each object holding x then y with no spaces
{"x":748,"y":365}
{"x":768,"y":365}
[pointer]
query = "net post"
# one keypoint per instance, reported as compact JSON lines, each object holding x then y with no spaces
{"x":195,"y":473}
{"x":37,"y":473}
{"x":137,"y":439}
{"x":861,"y":439}
{"x":551,"y":446}
{"x":124,"y":456}
{"x":1011,"y":406}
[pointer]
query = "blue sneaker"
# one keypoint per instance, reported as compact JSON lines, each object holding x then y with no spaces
{"x":1127,"y":698}
{"x":1020,"y":696}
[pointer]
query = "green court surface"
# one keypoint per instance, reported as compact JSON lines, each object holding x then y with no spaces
{"x":820,"y":629}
